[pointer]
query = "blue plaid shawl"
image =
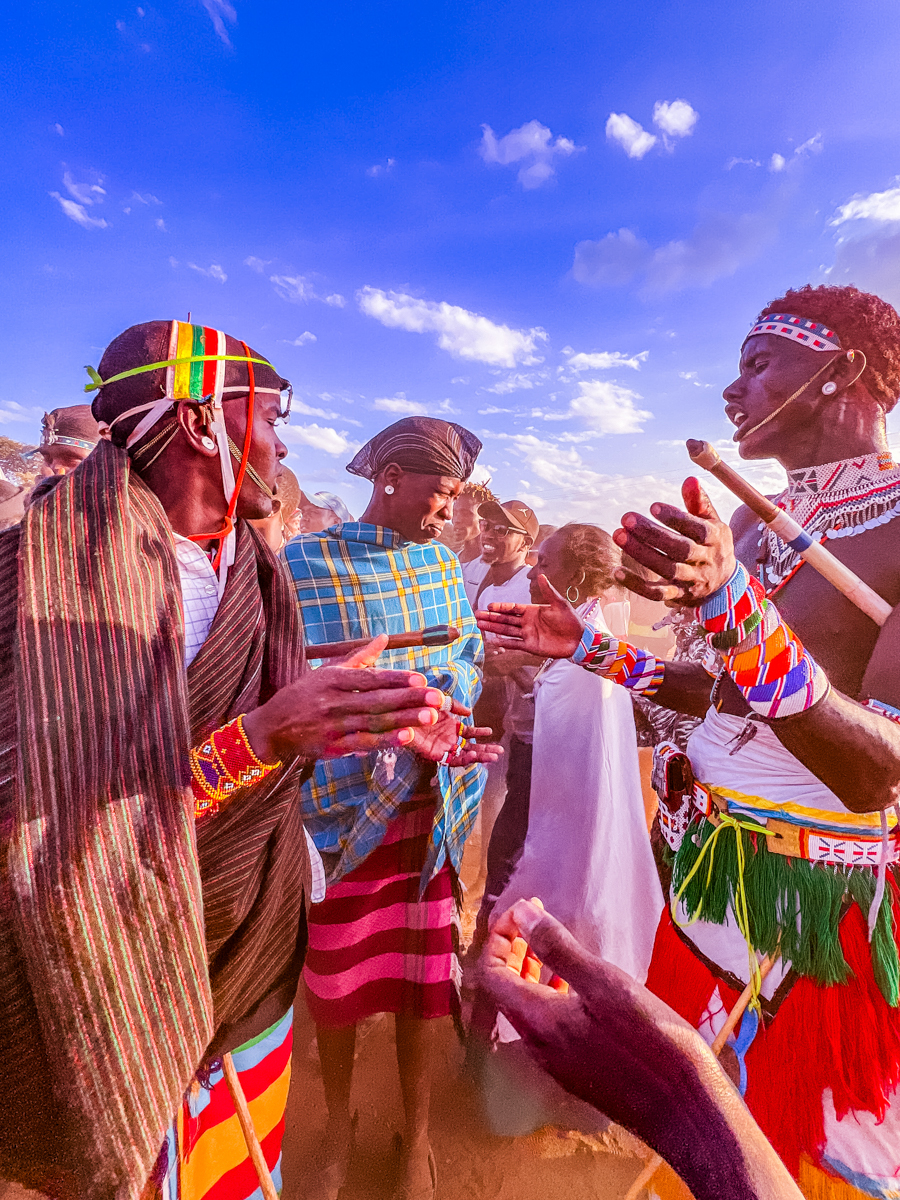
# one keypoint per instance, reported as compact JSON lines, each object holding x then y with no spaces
{"x":358,"y":580}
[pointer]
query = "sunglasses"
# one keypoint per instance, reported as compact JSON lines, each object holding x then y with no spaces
{"x":286,"y":394}
{"x":498,"y":530}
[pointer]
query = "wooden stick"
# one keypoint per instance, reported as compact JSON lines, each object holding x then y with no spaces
{"x":434,"y":635}
{"x":246,"y":1123}
{"x":654,"y":1163}
{"x":785,"y":527}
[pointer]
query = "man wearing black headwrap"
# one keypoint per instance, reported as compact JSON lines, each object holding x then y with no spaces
{"x":391,"y":827}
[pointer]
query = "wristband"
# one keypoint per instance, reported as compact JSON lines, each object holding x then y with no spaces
{"x":222,"y":765}
{"x":618,"y":660}
{"x":761,"y":653}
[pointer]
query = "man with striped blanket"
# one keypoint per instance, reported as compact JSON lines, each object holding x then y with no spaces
{"x":151,"y":678}
{"x":391,"y":826}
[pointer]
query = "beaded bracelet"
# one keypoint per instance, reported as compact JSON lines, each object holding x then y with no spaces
{"x":761,"y":653}
{"x":222,"y":765}
{"x":614,"y":659}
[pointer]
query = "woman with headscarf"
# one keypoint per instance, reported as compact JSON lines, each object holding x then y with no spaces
{"x":391,"y":828}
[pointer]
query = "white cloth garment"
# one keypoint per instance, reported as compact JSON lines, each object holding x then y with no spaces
{"x":200,"y":603}
{"x":587,"y":855}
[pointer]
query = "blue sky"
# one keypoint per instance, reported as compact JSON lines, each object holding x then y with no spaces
{"x":551,"y":222}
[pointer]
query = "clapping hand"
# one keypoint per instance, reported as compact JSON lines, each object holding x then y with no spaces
{"x":552,"y":630}
{"x":691,"y":553}
{"x":443,"y":741}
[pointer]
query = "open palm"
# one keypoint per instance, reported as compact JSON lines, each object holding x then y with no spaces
{"x":552,"y":630}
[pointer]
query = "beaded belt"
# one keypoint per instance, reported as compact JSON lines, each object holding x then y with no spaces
{"x":803,"y":841}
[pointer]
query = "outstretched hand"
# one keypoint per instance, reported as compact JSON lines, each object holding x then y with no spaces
{"x":616,"y":1046}
{"x":444,"y":742}
{"x":691,"y":553}
{"x":343,"y":709}
{"x":552,"y":630}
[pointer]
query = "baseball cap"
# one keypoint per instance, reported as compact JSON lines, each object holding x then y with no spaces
{"x":513,"y":513}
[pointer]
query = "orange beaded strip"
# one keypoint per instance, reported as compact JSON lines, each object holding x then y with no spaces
{"x":222,"y":765}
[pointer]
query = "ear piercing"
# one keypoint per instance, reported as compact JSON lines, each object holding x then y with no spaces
{"x":389,"y":490}
{"x":829,"y":388}
{"x":207,"y":443}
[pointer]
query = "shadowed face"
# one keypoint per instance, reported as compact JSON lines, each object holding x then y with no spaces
{"x":554,"y":562}
{"x":772,"y":369}
{"x":266,"y":450}
{"x":61,"y":460}
{"x":465,"y":518}
{"x":423,"y":504}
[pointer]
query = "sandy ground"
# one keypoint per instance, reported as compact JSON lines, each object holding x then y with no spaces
{"x":472,"y":1163}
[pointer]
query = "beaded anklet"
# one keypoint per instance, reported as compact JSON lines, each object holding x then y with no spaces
{"x":222,"y":765}
{"x":761,"y":653}
{"x":615,"y":659}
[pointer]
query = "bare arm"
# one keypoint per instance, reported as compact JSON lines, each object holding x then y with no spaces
{"x":616,"y":1046}
{"x":853,"y":750}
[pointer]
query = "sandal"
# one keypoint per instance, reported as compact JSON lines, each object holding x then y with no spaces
{"x":402,"y":1191}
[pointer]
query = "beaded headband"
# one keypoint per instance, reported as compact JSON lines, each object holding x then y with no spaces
{"x":797,"y":329}
{"x":51,"y":438}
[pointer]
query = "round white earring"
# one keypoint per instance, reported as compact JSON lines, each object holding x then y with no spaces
{"x":829,"y":388}
{"x":207,"y":443}
{"x":389,"y":491}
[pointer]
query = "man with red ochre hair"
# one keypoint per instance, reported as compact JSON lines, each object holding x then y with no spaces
{"x":156,"y":724}
{"x":779,"y":818}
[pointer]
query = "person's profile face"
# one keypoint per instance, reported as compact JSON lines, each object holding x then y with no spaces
{"x":61,"y":460}
{"x":465,"y":517}
{"x":771,"y":370}
{"x":423,"y":504}
{"x":552,"y":561}
{"x":266,"y":450}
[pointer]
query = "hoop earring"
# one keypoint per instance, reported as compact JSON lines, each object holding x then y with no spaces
{"x":573,"y":599}
{"x":389,"y":491}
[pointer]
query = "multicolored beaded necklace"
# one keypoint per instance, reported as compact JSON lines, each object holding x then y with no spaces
{"x":838,"y":499}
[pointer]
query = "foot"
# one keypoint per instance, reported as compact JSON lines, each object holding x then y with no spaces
{"x":331,"y":1165}
{"x":418,"y":1174}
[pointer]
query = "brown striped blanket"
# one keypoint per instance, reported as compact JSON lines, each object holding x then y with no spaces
{"x":129,"y":943}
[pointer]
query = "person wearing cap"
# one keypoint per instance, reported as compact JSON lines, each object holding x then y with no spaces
{"x":391,"y":827}
{"x":156,"y":721}
{"x":68,"y":435}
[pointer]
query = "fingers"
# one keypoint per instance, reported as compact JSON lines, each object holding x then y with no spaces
{"x":342,"y":703}
{"x":364,"y":743}
{"x":475,"y":731}
{"x":504,"y":606}
{"x":696,"y":500}
{"x":488,"y":753}
{"x":366,"y":655}
{"x":458,"y":709}
{"x":692,"y":527}
{"x":647,"y":536}
{"x":383,"y":722}
{"x":550,"y":594}
{"x":364,"y":679}
{"x":653,"y":590}
{"x":554,"y":945}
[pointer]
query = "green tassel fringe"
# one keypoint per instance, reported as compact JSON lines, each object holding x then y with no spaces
{"x":793,"y":904}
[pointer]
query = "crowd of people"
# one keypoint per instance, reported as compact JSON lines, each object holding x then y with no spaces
{"x":245,"y":738}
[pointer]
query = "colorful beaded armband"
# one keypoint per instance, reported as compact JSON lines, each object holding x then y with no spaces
{"x":633,"y":668}
{"x":762,"y":654}
{"x":222,"y":765}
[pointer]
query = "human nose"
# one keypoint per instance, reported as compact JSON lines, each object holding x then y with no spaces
{"x":281,"y":449}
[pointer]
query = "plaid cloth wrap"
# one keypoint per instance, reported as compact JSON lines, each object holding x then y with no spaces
{"x":358,"y":580}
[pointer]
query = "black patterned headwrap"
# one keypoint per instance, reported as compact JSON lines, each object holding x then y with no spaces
{"x":422,"y":445}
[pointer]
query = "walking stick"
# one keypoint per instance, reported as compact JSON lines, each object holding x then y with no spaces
{"x":718,"y":1045}
{"x":434,"y":635}
{"x":785,"y":527}
{"x":246,"y":1123}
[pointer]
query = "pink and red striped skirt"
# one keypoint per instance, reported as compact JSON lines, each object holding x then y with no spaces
{"x":374,"y":946}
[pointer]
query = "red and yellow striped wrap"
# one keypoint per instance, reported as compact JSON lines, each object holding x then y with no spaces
{"x":194,"y":380}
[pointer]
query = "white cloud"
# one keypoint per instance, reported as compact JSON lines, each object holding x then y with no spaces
{"x":307,"y":410}
{"x":57,"y":128}
{"x":777,"y":162}
{"x":336,"y":300}
{"x":675,"y":118}
{"x":295,"y":288}
{"x":460,"y":332}
{"x":532,"y":146}
{"x":717,"y":247}
{"x":400,"y":404}
{"x":606,"y":407}
{"x":160,"y":225}
{"x":219,"y":12}
{"x":173,"y":262}
{"x":605,"y":360}
{"x":381,"y":168}
{"x":78,"y":213}
{"x":575,"y":491}
{"x":813,"y":145}
{"x":320,"y":437}
{"x":514,"y":383}
{"x":256,"y":264}
{"x":84,"y":193}
{"x":631,"y":136}
{"x":146,"y":198}
{"x":301,"y":340}
{"x":492,"y":410}
{"x":613,"y":260}
{"x":214,"y":271}
{"x":742,"y":162}
{"x":877,"y":206}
